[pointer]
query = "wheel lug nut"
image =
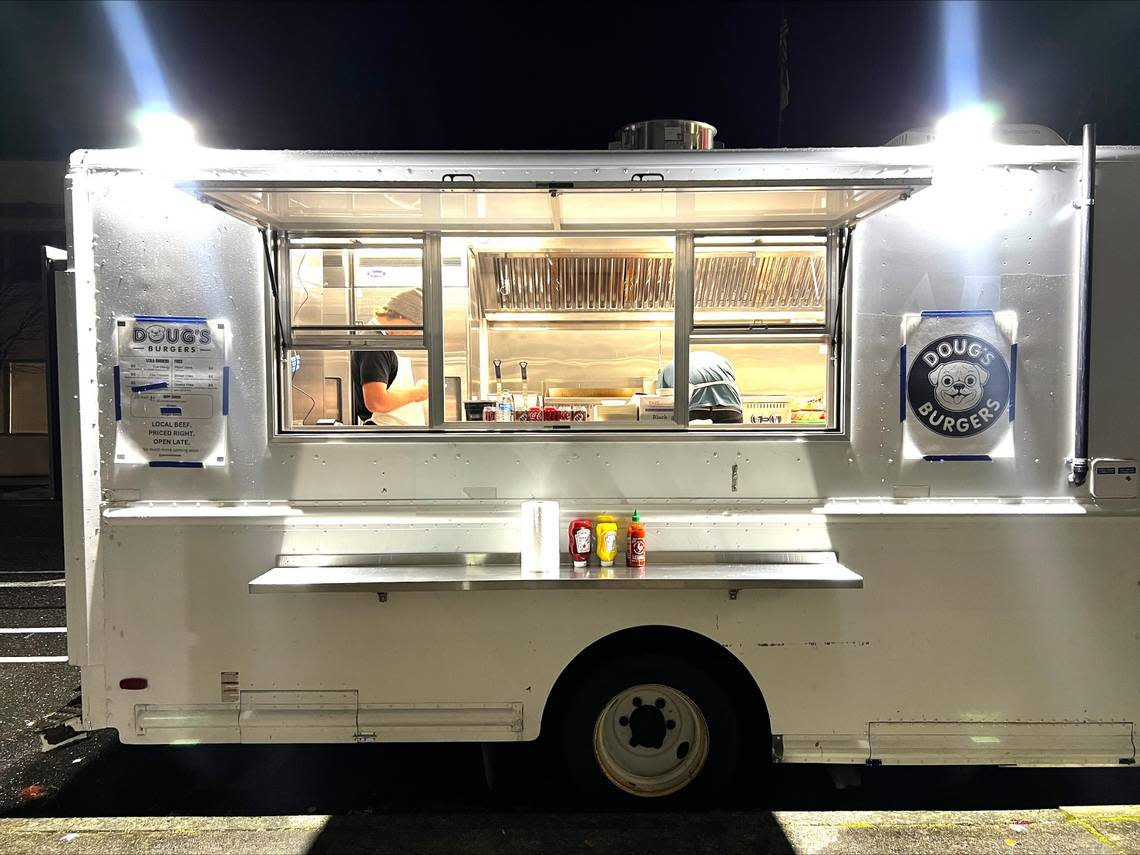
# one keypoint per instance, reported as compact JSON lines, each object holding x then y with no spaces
{"x":670,"y":724}
{"x":623,"y":721}
{"x":637,"y":702}
{"x":659,"y":703}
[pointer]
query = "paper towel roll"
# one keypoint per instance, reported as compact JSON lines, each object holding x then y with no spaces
{"x":539,"y":534}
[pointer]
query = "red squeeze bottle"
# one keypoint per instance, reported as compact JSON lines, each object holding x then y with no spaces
{"x":635,"y":553}
{"x":580,"y":542}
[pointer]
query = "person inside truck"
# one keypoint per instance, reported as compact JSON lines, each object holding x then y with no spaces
{"x":384,"y":390}
{"x":713,"y":393}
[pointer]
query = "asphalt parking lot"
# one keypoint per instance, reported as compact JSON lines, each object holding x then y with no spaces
{"x":430,"y":798}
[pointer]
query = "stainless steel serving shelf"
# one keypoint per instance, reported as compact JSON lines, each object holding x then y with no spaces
{"x":457,"y":572}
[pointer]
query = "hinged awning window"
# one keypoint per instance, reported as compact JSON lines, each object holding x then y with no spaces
{"x":468,"y":208}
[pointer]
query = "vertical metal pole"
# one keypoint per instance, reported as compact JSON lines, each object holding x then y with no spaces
{"x":484,"y":360}
{"x":348,"y":259}
{"x":348,"y":278}
{"x":284,"y":320}
{"x":684,"y":265}
{"x":433,"y":325}
{"x":832,"y":311}
{"x":54,"y":265}
{"x":1084,"y":308}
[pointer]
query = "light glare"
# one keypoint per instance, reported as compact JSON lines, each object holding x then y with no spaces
{"x":163,"y":130}
{"x":970,"y":127}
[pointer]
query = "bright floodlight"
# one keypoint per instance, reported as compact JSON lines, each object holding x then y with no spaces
{"x":968,"y":128}
{"x":161,"y":130}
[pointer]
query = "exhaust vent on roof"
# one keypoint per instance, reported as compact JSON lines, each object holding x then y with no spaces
{"x":1005,"y":134}
{"x":672,"y":134}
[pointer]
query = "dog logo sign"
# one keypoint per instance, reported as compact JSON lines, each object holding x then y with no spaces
{"x":958,"y":385}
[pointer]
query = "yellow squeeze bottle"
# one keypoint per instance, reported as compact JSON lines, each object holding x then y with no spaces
{"x":606,"y":532}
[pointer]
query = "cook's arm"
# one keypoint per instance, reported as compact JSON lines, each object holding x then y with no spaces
{"x":378,"y":398}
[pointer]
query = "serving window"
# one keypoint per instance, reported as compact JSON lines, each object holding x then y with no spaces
{"x":554,"y":333}
{"x":544,"y":311}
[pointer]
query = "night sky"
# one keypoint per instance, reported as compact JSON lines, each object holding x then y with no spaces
{"x":327,"y":75}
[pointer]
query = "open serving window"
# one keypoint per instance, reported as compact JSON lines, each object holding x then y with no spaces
{"x":520,"y":310}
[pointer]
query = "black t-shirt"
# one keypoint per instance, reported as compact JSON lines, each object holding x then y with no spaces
{"x":371,"y":366}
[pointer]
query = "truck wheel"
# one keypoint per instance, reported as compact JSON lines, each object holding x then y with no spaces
{"x":650,"y":726}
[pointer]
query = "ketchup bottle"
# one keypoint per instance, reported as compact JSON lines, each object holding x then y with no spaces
{"x":635,"y":553}
{"x":580,"y":537}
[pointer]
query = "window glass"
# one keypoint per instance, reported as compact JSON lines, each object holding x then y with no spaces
{"x":338,"y":388}
{"x":591,"y":318}
{"x":746,"y":280}
{"x":27,"y":397}
{"x":320,"y":287}
{"x":335,"y":289}
{"x":759,"y":384}
{"x":382,"y":273}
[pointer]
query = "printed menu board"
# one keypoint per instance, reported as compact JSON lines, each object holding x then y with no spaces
{"x":171,"y":391}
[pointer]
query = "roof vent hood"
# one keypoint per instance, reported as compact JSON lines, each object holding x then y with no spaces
{"x":1003,"y":133}
{"x":667,"y":134}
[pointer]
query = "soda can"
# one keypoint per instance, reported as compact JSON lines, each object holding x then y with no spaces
{"x":491,"y":414}
{"x":534,"y":414}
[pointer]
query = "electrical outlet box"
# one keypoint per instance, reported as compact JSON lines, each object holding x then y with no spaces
{"x":1113,"y":478}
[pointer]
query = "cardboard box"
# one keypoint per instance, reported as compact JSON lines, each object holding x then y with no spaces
{"x":654,"y":408}
{"x":767,"y":410}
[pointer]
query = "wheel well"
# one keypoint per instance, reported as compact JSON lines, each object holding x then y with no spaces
{"x":683,"y":643}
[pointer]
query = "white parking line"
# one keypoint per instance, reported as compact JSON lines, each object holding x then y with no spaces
{"x":10,"y":660}
{"x":52,"y":583}
{"x":20,"y":630}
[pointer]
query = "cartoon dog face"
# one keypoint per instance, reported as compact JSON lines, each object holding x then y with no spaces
{"x":958,"y":385}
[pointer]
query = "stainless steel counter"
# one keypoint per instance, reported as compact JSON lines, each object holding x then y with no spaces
{"x":335,"y":577}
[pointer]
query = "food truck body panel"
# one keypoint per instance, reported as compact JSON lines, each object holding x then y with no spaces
{"x":999,"y":615}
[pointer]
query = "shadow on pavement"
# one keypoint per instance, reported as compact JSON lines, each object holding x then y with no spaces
{"x":701,"y":834}
{"x":100,"y":777}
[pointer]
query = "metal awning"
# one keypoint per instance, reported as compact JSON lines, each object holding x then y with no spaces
{"x":643,"y":206}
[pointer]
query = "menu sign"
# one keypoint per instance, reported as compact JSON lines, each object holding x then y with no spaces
{"x":171,"y":391}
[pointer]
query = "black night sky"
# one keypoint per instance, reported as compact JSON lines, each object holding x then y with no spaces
{"x":483,"y":75}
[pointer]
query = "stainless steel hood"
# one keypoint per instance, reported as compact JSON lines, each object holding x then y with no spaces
{"x":776,"y":279}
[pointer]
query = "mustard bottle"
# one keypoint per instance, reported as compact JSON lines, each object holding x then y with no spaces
{"x":606,"y":534}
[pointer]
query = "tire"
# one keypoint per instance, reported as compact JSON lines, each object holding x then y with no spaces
{"x":649,"y":728}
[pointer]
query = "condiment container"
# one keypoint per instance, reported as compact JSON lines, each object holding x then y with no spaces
{"x":607,"y":533}
{"x":580,"y":542}
{"x":635,"y":553}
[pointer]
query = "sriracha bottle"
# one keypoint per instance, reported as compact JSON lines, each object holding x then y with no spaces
{"x":635,"y":553}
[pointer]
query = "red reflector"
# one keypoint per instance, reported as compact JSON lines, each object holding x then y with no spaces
{"x":133,"y":683}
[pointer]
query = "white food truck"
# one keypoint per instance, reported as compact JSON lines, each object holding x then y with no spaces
{"x":304,"y":395}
